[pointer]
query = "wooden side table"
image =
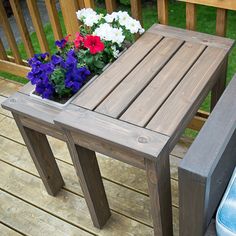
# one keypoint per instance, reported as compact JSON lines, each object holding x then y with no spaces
{"x":134,"y":112}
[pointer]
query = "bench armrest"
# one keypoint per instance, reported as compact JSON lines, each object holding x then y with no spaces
{"x":208,"y":165}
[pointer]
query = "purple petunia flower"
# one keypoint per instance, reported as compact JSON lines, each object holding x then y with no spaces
{"x":61,"y":43}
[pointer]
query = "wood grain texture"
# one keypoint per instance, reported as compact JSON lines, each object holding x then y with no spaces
{"x":70,"y":20}
{"x":183,"y":103}
{"x":42,"y":156}
{"x":32,"y":221}
{"x":16,"y":8}
{"x":214,"y":148}
{"x":225,"y":4}
{"x":136,"y":9}
{"x":89,"y":4}
{"x":87,"y":169}
{"x":123,"y":95}
{"x":67,"y":206}
{"x":54,"y":19}
{"x":126,"y":193}
{"x":220,"y":84}
{"x":153,"y":96}
{"x":14,"y":68}
{"x":114,"y":74}
{"x":110,"y":6}
{"x":162,"y":11}
{"x":158,"y":177}
{"x":192,"y":36}
{"x":221,"y":22}
{"x":9,"y":34}
{"x":6,"y":231}
{"x":38,"y":26}
{"x":118,"y":135}
{"x":32,"y":108}
{"x":191,"y":16}
{"x":3,"y":54}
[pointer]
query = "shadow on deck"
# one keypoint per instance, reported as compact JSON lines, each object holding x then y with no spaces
{"x":26,"y":208}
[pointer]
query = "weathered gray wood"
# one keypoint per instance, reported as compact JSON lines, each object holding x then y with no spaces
{"x":180,"y":107}
{"x":68,"y":206}
{"x":158,"y":176}
{"x":110,"y":135}
{"x":153,"y":96}
{"x":35,"y":114}
{"x":121,"y":97}
{"x":192,"y":36}
{"x":211,"y":230}
{"x":31,"y":220}
{"x":111,"y":77}
{"x":42,"y":156}
{"x":205,"y":171}
{"x":219,"y":87}
{"x":87,"y":169}
{"x":6,"y":231}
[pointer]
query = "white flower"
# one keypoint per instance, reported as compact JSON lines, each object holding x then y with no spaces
{"x":117,"y":36}
{"x":133,"y":26}
{"x":123,"y":17}
{"x":109,"y":18}
{"x":107,"y":32}
{"x":88,"y":16}
{"x":91,"y":20}
{"x":115,"y":52}
{"x":141,"y":31}
{"x":85,"y":12}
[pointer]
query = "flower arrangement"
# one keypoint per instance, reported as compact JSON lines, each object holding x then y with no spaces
{"x":99,"y":41}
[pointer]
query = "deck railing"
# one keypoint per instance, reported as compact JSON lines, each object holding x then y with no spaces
{"x":18,"y":66}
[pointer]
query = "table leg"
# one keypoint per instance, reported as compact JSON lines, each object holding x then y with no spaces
{"x":219,"y":87}
{"x":87,"y":169}
{"x":42,"y":157}
{"x":158,"y":177}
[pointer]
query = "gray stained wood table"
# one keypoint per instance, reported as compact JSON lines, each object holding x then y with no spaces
{"x":134,"y":112}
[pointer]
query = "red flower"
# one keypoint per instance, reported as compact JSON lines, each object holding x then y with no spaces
{"x":94,"y":44}
{"x":67,"y":37}
{"x":78,"y":40}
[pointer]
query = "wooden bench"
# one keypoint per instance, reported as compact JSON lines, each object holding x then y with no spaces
{"x":207,"y":167}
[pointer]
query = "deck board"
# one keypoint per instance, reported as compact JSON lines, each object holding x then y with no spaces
{"x":127,"y":193}
{"x":6,"y":231}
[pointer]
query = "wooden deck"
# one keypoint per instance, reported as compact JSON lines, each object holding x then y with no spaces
{"x":26,"y":208}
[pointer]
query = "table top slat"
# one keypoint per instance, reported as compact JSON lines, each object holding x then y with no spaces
{"x":182,"y":104}
{"x":114,"y":74}
{"x":138,"y":79}
{"x":192,"y":36}
{"x":153,"y":96}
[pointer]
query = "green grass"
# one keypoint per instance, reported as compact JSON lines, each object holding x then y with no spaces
{"x":205,"y":23}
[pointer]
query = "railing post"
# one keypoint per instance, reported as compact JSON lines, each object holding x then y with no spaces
{"x":69,"y":8}
{"x":162,"y":7}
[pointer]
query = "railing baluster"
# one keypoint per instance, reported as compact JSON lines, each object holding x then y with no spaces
{"x":162,"y":8}
{"x":191,"y":16}
{"x":110,"y":5}
{"x":89,"y":4}
{"x":34,"y":12}
{"x":221,"y":22}
{"x":9,"y":34}
{"x":15,"y":5}
{"x":69,"y":8}
{"x":81,"y":4}
{"x":3,"y":55}
{"x":54,"y":19}
{"x":136,"y":9}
